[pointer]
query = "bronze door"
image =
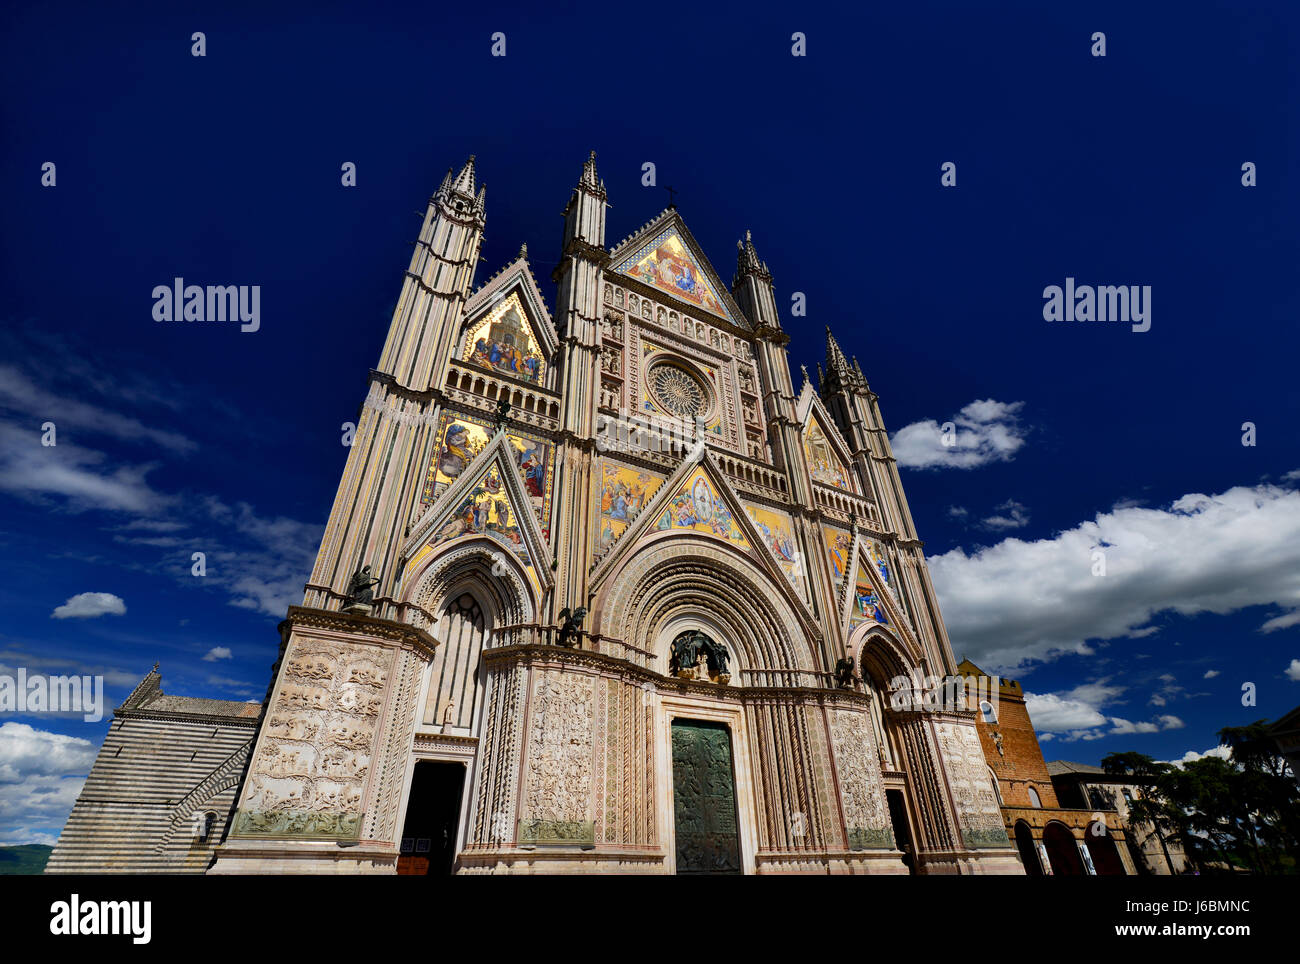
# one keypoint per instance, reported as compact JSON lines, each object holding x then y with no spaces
{"x":704,"y":799}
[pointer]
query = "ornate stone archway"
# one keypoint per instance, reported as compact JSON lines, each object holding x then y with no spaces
{"x":679,"y":580}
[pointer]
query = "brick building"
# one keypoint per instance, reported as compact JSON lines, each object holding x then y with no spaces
{"x":1050,"y":837}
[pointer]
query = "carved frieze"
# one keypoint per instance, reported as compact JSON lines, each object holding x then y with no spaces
{"x":978,"y":813}
{"x":309,"y":776}
{"x":866,"y":816}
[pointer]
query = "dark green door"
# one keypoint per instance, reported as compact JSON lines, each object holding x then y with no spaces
{"x":704,"y":799}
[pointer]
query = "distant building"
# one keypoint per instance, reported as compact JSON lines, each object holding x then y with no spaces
{"x":1090,"y":787}
{"x":1286,"y":735}
{"x":162,"y":788}
{"x":1052,"y":835}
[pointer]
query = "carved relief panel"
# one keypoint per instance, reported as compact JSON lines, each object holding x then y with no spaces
{"x":317,"y":748}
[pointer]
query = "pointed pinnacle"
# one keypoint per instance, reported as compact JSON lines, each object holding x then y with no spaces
{"x":465,"y":179}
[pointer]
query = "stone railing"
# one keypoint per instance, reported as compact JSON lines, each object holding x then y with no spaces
{"x":533,"y":634}
{"x":481,"y":389}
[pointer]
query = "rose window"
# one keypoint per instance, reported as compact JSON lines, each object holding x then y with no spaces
{"x":678,"y":392}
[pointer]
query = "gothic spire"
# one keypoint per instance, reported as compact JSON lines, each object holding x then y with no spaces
{"x":465,"y":179}
{"x":840,"y":373}
{"x":748,"y":263}
{"x":589,"y":178}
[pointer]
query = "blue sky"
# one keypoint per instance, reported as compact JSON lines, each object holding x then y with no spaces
{"x":225,"y":169}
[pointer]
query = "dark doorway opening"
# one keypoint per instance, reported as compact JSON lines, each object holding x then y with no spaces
{"x":1062,"y":850}
{"x":902,"y":828}
{"x":1101,"y":847}
{"x":428,"y":844}
{"x":1028,"y":852}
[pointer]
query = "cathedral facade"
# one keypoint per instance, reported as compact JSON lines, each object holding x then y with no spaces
{"x":603,"y":591}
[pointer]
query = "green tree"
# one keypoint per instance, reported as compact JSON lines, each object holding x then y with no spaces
{"x":1243,"y":812}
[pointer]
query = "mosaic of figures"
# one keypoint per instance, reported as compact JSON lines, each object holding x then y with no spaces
{"x":823,"y":464}
{"x":778,"y":535}
{"x":839,"y":543}
{"x":485,"y":510}
{"x":461,"y":438}
{"x":504,"y":342}
{"x":668,"y":266}
{"x":696,"y":506}
{"x":866,"y":604}
{"x":623,"y":494}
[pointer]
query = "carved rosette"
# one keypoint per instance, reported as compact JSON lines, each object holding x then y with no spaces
{"x":310,"y":773}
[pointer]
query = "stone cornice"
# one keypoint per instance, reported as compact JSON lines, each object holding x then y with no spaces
{"x":544,"y":655}
{"x":249,"y":722}
{"x":402,"y":634}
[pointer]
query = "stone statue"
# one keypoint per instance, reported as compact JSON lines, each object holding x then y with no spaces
{"x":569,"y":624}
{"x":844,"y":673}
{"x":686,"y":653}
{"x":717,"y":655}
{"x":361,"y":591}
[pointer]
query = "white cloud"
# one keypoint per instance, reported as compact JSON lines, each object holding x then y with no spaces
{"x":1222,"y":752}
{"x":984,"y":431}
{"x":218,"y":652}
{"x":26,"y":751}
{"x":1022,"y":601}
{"x":80,"y":476}
{"x":1016,"y":516}
{"x":1077,"y":714}
{"x":20,"y":393}
{"x":41,"y":774}
{"x":88,"y":605}
{"x":1293,"y":671}
{"x":1284,"y":621}
{"x":1052,"y":713}
{"x":958,"y":512}
{"x":1120,"y":727}
{"x":1210,"y":674}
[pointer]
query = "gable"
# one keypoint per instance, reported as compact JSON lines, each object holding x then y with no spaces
{"x":490,"y":500}
{"x":667,"y":262}
{"x":864,"y":602}
{"x":461,"y":438}
{"x":506,"y":339}
{"x":696,"y":505}
{"x":825,"y":464}
{"x":697,"y":498}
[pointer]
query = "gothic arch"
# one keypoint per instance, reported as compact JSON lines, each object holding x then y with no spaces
{"x":472,"y":591}
{"x":678,"y":581}
{"x":882,"y":655}
{"x":477,"y":565}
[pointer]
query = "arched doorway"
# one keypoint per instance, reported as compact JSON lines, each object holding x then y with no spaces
{"x":1062,"y":850}
{"x":1028,"y":852}
{"x":1101,"y":847}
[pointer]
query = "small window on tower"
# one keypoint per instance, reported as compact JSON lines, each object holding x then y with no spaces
{"x":988,"y":712}
{"x":1034,"y":802}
